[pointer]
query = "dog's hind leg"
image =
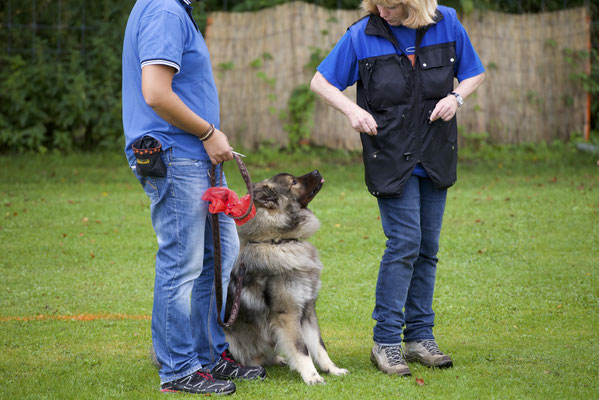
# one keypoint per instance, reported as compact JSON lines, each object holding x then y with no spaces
{"x":315,"y":344}
{"x":291,"y":343}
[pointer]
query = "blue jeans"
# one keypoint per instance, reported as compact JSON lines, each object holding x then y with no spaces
{"x":185,"y":332}
{"x":412,"y":225}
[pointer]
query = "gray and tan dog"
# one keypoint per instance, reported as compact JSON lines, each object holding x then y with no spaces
{"x":277,"y":314}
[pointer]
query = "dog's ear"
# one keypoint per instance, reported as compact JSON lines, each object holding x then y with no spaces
{"x":265,"y":196}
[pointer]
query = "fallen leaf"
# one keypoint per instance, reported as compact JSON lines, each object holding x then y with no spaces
{"x":84,"y":219}
{"x":92,"y":255}
{"x":420,"y":381}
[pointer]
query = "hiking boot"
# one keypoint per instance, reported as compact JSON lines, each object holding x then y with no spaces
{"x":390,"y":360}
{"x":199,"y":382}
{"x":228,"y":368}
{"x":426,"y":352}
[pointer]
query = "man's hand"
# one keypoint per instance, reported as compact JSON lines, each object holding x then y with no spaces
{"x":218,"y":148}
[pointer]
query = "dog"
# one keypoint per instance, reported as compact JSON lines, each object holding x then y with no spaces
{"x":277,"y":315}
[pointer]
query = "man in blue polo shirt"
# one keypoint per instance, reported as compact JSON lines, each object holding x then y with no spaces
{"x":404,"y":56}
{"x":170,"y":102}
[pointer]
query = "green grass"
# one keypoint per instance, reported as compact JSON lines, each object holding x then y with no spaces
{"x":516,"y":299}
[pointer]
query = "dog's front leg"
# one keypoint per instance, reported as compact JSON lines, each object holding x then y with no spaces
{"x":315,"y":344}
{"x":291,"y":343}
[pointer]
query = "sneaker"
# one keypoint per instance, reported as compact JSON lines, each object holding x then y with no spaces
{"x":426,"y":352}
{"x":228,"y":368}
{"x":390,"y":360}
{"x":199,"y":382}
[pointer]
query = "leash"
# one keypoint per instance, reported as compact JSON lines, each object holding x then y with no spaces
{"x":218,"y":285}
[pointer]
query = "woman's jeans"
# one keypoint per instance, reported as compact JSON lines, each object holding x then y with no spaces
{"x":412,"y":224}
{"x":185,"y":332}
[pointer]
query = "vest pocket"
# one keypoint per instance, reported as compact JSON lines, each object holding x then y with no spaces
{"x":386,"y":80}
{"x":437,"y":64}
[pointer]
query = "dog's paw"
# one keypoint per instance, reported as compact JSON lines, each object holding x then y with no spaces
{"x":278,"y":360}
{"x":314,"y":380}
{"x":338,"y":371}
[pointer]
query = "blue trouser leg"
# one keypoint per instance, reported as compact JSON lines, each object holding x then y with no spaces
{"x":209,"y":336}
{"x":412,"y":224}
{"x":184,"y":270}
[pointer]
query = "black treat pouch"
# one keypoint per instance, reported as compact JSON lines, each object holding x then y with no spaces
{"x":147,"y":153}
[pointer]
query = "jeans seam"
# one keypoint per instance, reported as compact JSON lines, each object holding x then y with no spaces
{"x":170,"y":297}
{"x":211,"y":307}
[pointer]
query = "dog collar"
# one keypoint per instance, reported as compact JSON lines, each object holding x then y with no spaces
{"x":276,"y":241}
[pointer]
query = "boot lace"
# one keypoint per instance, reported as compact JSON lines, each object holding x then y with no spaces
{"x":394,"y":355}
{"x":432,"y":347}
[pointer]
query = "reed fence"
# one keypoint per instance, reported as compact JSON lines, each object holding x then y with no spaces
{"x":529,"y":95}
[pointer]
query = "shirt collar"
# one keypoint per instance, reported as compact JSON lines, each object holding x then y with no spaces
{"x":186,"y":2}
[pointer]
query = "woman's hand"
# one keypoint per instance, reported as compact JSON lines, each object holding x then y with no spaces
{"x":362,"y":121}
{"x":445,"y":109}
{"x":359,"y":118}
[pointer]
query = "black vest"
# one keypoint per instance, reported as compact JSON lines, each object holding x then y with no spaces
{"x":401,"y":98}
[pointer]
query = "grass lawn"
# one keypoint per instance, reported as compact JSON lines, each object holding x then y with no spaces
{"x":516,"y":299}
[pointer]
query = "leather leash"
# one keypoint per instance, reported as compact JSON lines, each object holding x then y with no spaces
{"x":218,"y":285}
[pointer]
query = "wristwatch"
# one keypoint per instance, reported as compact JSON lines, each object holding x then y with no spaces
{"x":459,"y":98}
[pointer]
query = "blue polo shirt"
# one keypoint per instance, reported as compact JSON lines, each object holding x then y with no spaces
{"x":340,"y":67}
{"x":163,"y":32}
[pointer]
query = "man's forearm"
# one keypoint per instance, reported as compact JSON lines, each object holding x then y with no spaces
{"x":157,"y":90}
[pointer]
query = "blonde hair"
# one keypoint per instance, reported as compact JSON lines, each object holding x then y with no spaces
{"x":419,"y":12}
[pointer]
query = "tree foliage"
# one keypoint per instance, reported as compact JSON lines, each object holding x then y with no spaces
{"x":60,"y":66}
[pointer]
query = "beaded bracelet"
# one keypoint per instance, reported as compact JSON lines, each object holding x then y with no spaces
{"x":208,"y":133}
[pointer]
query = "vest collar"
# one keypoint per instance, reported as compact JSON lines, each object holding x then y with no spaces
{"x":377,"y":26}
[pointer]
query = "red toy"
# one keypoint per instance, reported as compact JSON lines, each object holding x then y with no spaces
{"x":225,"y":200}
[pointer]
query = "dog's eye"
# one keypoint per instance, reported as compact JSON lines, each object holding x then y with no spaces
{"x":294,"y":182}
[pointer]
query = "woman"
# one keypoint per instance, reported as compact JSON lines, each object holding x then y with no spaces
{"x":404,"y":56}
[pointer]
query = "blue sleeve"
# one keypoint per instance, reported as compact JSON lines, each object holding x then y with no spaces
{"x":469,"y":63}
{"x":340,"y":67}
{"x":161,"y":40}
